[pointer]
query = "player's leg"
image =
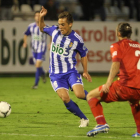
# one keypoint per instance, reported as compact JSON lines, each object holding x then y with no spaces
{"x":61,"y":87}
{"x":81,"y":94}
{"x":70,"y":105}
{"x":41,"y":57}
{"x":135,"y":108}
{"x":94,"y":99}
{"x":79,"y":91}
{"x":38,"y":60}
{"x":43,"y":75}
{"x":116,"y":92}
{"x":39,"y":65}
{"x":75,"y":81}
{"x":38,"y":71}
{"x":133,"y":96}
{"x":76,"y":84}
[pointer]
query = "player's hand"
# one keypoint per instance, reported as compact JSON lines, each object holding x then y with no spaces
{"x":43,"y":12}
{"x":105,"y":88}
{"x":87,"y":76}
{"x":24,"y":45}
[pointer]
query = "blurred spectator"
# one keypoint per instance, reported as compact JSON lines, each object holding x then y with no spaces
{"x":6,"y":9}
{"x":87,"y":9}
{"x":52,"y":10}
{"x":15,"y":7}
{"x":133,"y":4}
{"x":42,"y":2}
{"x":78,"y":12}
{"x":30,"y":2}
{"x":137,"y":6}
{"x":98,"y":8}
{"x":116,"y":2}
{"x":61,"y":9}
{"x":91,"y":8}
{"x":21,"y":2}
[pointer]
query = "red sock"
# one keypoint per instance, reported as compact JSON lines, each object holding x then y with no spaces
{"x":135,"y":108}
{"x":97,"y":110}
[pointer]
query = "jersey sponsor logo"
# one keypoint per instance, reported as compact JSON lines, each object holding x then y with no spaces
{"x":37,"y":37}
{"x":134,"y":45}
{"x":59,"y":50}
{"x":114,"y":53}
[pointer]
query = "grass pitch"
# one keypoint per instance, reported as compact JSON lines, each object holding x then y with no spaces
{"x":40,"y":114}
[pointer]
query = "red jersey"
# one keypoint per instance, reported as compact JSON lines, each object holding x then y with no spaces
{"x":127,"y":52}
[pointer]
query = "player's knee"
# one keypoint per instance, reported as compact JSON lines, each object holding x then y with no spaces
{"x":90,"y":95}
{"x":38,"y":64}
{"x":80,"y":96}
{"x":65,"y":100}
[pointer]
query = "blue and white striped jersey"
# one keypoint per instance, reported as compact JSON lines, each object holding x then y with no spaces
{"x":63,"y":50}
{"x":38,"y":39}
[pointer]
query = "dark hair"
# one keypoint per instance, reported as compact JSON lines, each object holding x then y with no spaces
{"x":125,"y":29}
{"x":37,"y":12}
{"x":67,"y":15}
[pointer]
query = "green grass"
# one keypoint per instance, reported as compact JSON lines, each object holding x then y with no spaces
{"x":40,"y":114}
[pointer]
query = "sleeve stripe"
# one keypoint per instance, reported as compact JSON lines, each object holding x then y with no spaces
{"x":79,"y":37}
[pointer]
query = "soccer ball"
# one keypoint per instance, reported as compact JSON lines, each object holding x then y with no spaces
{"x":5,"y":109}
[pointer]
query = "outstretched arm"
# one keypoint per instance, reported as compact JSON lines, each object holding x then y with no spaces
{"x":113,"y":72}
{"x":85,"y":72}
{"x":43,"y":12}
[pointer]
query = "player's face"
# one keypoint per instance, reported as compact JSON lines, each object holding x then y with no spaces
{"x":64,"y":26}
{"x":37,"y":17}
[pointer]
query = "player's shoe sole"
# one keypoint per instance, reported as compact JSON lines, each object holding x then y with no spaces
{"x":98,"y":129}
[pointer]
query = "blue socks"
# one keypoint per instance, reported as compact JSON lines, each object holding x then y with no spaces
{"x":73,"y":108}
{"x":37,"y":75}
{"x":85,"y":95}
{"x":39,"y":72}
{"x":42,"y":71}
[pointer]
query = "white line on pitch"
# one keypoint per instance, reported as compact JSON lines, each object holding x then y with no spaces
{"x":34,"y":135}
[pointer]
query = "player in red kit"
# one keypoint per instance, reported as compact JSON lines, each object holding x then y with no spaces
{"x":126,"y":60}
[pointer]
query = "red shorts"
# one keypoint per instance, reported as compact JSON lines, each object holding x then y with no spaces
{"x":118,"y":92}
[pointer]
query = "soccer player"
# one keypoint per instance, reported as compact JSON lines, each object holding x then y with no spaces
{"x":66,"y":43}
{"x":39,"y":46}
{"x":125,"y":60}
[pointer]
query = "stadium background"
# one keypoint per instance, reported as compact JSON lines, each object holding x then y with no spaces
{"x":40,"y":114}
{"x":97,"y":29}
{"x":98,"y":37}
